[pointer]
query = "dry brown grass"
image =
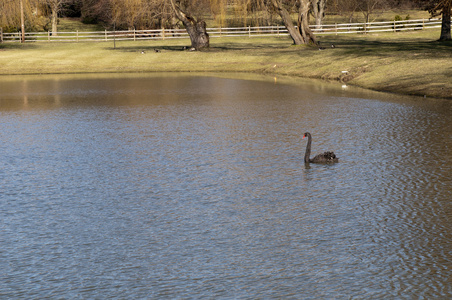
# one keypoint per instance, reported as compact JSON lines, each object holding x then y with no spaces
{"x":407,"y":62}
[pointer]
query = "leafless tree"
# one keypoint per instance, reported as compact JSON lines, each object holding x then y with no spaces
{"x":185,"y":11}
{"x":301,"y":34}
{"x":368,"y":7}
{"x":55,"y":7}
{"x":318,"y":10}
{"x":443,"y":8}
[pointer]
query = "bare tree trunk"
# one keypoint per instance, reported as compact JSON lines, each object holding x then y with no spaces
{"x":195,"y":29}
{"x":445,"y":23}
{"x":54,"y":20}
{"x":301,"y":34}
{"x":287,"y":20}
{"x":303,"y":23}
{"x":318,"y":8}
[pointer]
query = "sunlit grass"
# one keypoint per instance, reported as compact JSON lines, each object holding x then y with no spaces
{"x":405,"y":62}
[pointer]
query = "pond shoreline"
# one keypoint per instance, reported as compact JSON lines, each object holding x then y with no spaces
{"x":412,"y":64}
{"x":346,"y":84}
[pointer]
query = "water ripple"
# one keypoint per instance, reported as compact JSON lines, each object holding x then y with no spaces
{"x":196,"y":188}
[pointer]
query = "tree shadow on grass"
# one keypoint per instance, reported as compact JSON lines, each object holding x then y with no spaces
{"x":360,"y":47}
{"x":149,"y":49}
{"x":344,"y":47}
{"x":17,"y":46}
{"x":216,"y":45}
{"x":211,"y":49}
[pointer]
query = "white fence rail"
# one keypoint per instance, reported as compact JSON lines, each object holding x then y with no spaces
{"x":159,"y":34}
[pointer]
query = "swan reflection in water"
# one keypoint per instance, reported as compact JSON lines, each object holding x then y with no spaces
{"x":325,"y":157}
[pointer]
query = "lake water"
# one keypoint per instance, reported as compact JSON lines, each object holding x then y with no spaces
{"x":185,"y":187}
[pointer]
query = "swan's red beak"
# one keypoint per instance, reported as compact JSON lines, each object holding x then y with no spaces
{"x":303,"y":137}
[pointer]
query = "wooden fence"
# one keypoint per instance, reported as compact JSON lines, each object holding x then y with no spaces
{"x":135,"y":35}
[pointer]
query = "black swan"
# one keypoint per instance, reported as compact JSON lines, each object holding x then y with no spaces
{"x":326,"y":157}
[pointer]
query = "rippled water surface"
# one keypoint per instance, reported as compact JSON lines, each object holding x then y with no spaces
{"x":194,"y":187}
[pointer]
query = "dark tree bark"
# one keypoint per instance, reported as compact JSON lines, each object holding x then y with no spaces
{"x":445,"y":23}
{"x":288,"y":23}
{"x":441,"y":7}
{"x":301,"y":34}
{"x":196,"y":29}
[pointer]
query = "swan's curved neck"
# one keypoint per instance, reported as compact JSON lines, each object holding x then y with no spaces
{"x":308,"y":150}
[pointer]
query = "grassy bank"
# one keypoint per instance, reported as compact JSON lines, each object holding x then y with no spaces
{"x":407,"y":63}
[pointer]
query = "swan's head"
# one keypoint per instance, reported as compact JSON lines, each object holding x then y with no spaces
{"x":305,"y":135}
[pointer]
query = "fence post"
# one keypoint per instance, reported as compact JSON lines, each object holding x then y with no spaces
{"x":134,"y":35}
{"x":423,"y":24}
{"x":106,"y":38}
{"x":249,"y":31}
{"x":163,"y":33}
{"x":1,"y":34}
{"x":77,"y":36}
{"x":335,"y":26}
{"x":48,"y":35}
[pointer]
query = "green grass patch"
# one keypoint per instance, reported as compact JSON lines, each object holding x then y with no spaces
{"x":405,"y":62}
{"x":74,"y":24}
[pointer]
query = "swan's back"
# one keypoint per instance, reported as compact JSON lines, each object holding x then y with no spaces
{"x":326,"y":157}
